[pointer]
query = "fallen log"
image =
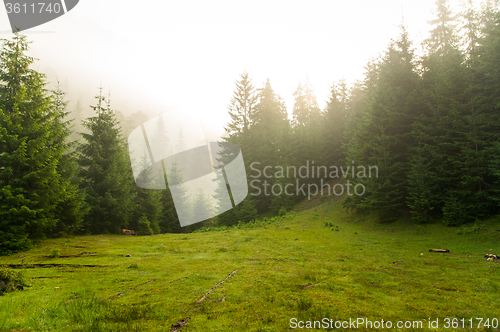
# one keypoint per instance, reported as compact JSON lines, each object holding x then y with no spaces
{"x":439,"y":250}
{"x":213,"y":288}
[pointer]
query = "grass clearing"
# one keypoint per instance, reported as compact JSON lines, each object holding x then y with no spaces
{"x":321,"y":262}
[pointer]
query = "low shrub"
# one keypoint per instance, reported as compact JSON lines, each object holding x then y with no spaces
{"x":55,"y":253}
{"x":11,"y":280}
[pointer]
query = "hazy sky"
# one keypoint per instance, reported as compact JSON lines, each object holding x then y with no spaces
{"x":185,"y":55}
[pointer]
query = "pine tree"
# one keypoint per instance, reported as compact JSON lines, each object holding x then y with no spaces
{"x":129,"y":123}
{"x":71,"y":209}
{"x":334,"y":125}
{"x":307,"y":120}
{"x":77,"y":116}
{"x":422,"y":181}
{"x":147,"y":201}
{"x":239,"y":131}
{"x":144,"y":226}
{"x":470,"y":27}
{"x":269,"y":137}
{"x":35,"y":176}
{"x":484,"y":106}
{"x":168,"y":221}
{"x":384,"y":135}
{"x":228,"y":195}
{"x":241,"y":110}
{"x":174,"y":209}
{"x":160,"y":204}
{"x":105,"y":171}
{"x":451,"y":126}
{"x":150,"y":202}
{"x":201,"y":205}
{"x":161,"y":136}
{"x":442,"y":39}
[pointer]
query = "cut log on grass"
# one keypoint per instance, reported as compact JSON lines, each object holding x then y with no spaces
{"x":220,"y":283}
{"x":439,"y":250}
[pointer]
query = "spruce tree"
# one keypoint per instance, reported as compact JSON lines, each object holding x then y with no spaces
{"x":202,"y":205}
{"x":334,"y":125}
{"x":307,"y":120}
{"x":270,"y":140}
{"x":442,"y":39}
{"x":147,"y":202}
{"x":72,"y":208}
{"x":144,"y":226}
{"x":383,"y":138}
{"x":239,"y":130}
{"x":105,"y":172}
{"x":169,"y":220}
{"x":241,"y":110}
{"x":129,"y":123}
{"x":77,"y":116}
{"x":485,"y":104}
{"x":471,"y":29}
{"x":451,"y":125}
{"x":37,"y":195}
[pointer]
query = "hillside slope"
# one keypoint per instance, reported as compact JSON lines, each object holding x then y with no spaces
{"x":315,"y":264}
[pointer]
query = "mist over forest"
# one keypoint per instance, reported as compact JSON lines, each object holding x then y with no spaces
{"x":258,"y":166}
{"x":427,"y":122}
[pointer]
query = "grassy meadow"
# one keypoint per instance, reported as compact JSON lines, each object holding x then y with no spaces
{"x":320,"y":262}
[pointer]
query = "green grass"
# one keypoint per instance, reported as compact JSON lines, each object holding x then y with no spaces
{"x":321,"y":262}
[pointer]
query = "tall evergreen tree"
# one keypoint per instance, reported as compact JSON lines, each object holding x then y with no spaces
{"x":77,"y":116}
{"x":442,"y":39}
{"x":451,"y":125}
{"x":306,"y":122}
{"x":384,"y":135}
{"x":471,"y":30}
{"x":241,"y":110}
{"x":334,"y":125}
{"x":129,"y":123}
{"x":485,"y":104}
{"x":35,"y":176}
{"x":202,"y":205}
{"x":71,"y":209}
{"x":270,"y":140}
{"x":105,"y":171}
{"x":147,"y":202}
{"x":169,"y":220}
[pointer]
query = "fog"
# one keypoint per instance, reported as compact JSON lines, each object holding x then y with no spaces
{"x":162,"y":56}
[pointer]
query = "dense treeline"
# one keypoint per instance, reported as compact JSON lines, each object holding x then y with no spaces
{"x":429,"y":124}
{"x":38,"y":187}
{"x":54,"y":183}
